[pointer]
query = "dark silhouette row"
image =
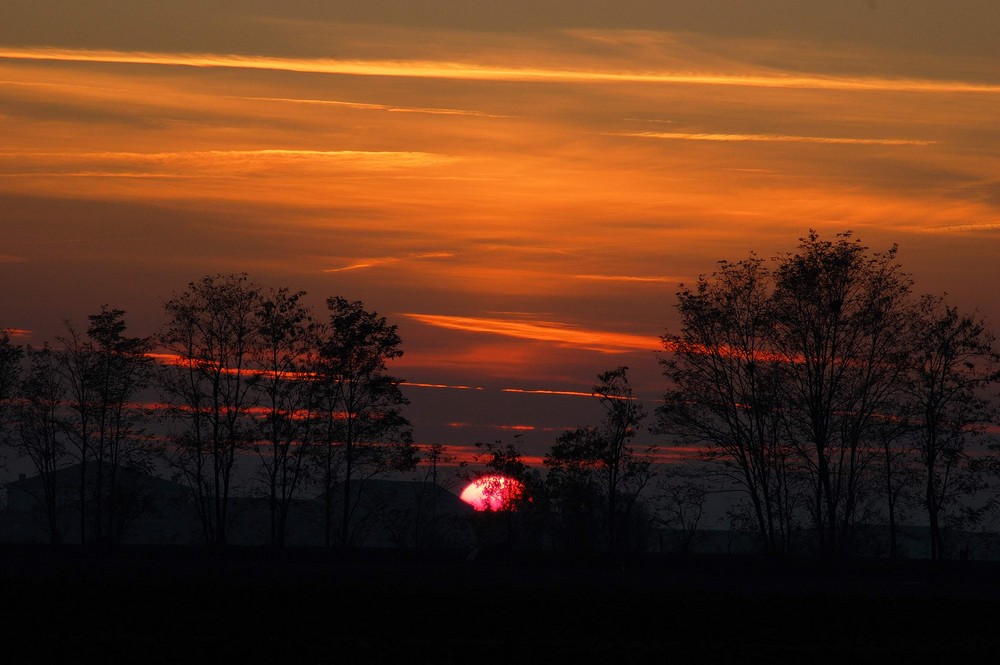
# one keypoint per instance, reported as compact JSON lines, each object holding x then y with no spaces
{"x":819,"y":388}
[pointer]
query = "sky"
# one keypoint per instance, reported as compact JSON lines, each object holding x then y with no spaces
{"x":519,"y":186}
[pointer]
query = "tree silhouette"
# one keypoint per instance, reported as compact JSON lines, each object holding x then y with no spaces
{"x":285,"y":356}
{"x":725,"y":392}
{"x":212,"y":333}
{"x":365,"y":432}
{"x":788,"y":374}
{"x":955,"y":362}
{"x":10,"y":374}
{"x":604,"y":453}
{"x":41,"y":430}
{"x":840,"y":313}
{"x":509,"y":491}
{"x":104,"y":371}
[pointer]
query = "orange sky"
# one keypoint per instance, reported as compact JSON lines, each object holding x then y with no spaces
{"x":520,"y":188}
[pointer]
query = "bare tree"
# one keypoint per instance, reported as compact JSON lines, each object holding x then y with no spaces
{"x":365,"y":433}
{"x":211,"y":334}
{"x":122,"y":370}
{"x":724,"y":392}
{"x":41,"y":430}
{"x":10,"y":374}
{"x":899,"y":478}
{"x":840,"y":313}
{"x":681,"y":500}
{"x":605,"y":451}
{"x":955,"y":364}
{"x":75,"y":362}
{"x":788,"y":375}
{"x":288,"y":396}
{"x":103,"y":372}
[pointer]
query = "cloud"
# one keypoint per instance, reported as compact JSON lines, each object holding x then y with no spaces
{"x":388,"y":260}
{"x":544,"y":331}
{"x":568,"y":393}
{"x":776,"y":138}
{"x":17,"y":332}
{"x":205,"y":163}
{"x":438,"y":386}
{"x":629,"y":278}
{"x":363,"y":106}
{"x":962,"y":228}
{"x":480,"y":72}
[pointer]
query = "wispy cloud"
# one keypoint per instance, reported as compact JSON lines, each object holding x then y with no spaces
{"x":438,"y":386}
{"x":569,"y":393}
{"x":629,"y":278}
{"x":389,"y":260}
{"x":188,"y":163}
{"x":544,"y":331}
{"x":776,"y":138}
{"x":363,"y":106}
{"x":474,"y":71}
{"x":961,"y":228}
{"x":17,"y":332}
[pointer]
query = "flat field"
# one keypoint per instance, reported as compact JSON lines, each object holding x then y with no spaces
{"x":189,"y":605}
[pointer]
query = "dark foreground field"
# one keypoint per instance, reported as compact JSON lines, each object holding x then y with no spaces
{"x":188,"y":605}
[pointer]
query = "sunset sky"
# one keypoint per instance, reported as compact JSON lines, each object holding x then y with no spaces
{"x":520,"y":186}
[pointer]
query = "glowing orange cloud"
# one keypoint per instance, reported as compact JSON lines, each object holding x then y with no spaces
{"x":363,"y":106}
{"x":373,"y":263}
{"x":471,"y":71}
{"x":570,"y":393}
{"x":228,"y":160}
{"x":438,"y":385}
{"x":17,"y":332}
{"x":778,"y":138}
{"x":629,"y":278}
{"x":544,"y":331}
{"x":962,"y":228}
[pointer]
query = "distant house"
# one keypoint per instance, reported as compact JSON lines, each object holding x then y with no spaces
{"x":384,"y":513}
{"x":137,"y":507}
{"x":151,"y":510}
{"x":394,"y":513}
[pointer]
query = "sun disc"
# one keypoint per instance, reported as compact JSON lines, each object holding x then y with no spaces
{"x":493,"y":492}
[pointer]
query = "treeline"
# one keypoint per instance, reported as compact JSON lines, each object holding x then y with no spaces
{"x":821,"y":389}
{"x":832,"y":396}
{"x":237,"y":369}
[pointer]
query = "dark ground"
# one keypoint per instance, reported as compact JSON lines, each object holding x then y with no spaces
{"x":187,"y":605}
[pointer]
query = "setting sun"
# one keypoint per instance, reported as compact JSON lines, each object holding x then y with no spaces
{"x":492,"y":493}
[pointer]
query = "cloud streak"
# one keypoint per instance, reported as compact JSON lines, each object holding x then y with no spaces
{"x":629,"y":278}
{"x":363,"y":106}
{"x":962,"y":228}
{"x":227,"y":162}
{"x":480,"y":72}
{"x":389,"y":260}
{"x":544,"y":331}
{"x":777,"y":138}
{"x":565,"y":393}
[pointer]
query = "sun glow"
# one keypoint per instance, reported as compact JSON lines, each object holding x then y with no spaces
{"x":493,"y":493}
